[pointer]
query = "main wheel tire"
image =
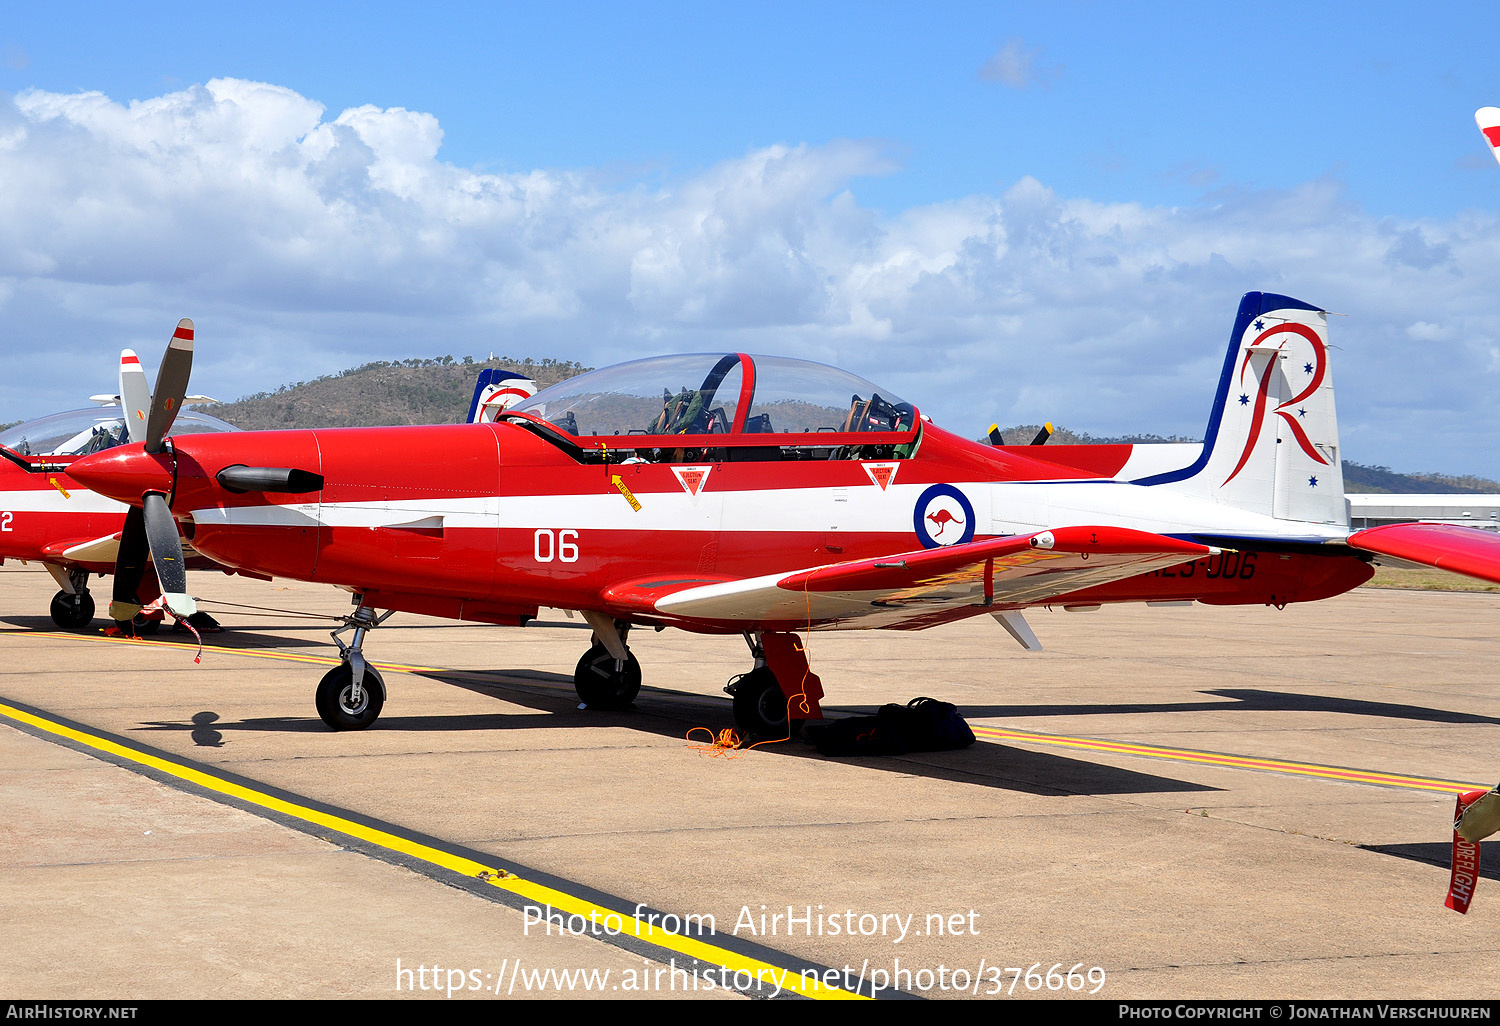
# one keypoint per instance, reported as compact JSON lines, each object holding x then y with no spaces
{"x":72,"y":611}
{"x":334,"y":706}
{"x":760,"y":707}
{"x":600,"y":685}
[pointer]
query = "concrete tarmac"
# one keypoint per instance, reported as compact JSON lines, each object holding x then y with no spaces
{"x":1164,"y":869}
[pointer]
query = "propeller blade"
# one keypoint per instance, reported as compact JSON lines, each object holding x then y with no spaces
{"x":166,"y":554}
{"x":995,"y":437}
{"x":1042,"y":435}
{"x":171,"y":385}
{"x":135,"y":395}
{"x":240,"y":478}
{"x":130,"y":566}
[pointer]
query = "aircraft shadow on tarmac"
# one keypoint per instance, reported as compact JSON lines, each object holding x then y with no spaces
{"x":672,"y":713}
{"x":1242,"y":699}
{"x":1440,"y":853}
{"x":233,"y":639}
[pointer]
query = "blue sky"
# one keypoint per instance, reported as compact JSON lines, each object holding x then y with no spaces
{"x":1158,"y":103}
{"x":1033,"y":211}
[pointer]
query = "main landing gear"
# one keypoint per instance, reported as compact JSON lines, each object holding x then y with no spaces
{"x":351,"y":695}
{"x":608,"y":676}
{"x":760,"y":708}
{"x":73,"y":606}
{"x":773,"y":699}
{"x":770,"y":702}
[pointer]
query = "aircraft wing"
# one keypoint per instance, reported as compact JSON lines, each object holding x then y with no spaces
{"x":93,"y":551}
{"x":910,"y":590}
{"x":1463,"y":550}
{"x":84,"y":550}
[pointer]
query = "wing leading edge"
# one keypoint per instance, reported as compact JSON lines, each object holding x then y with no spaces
{"x":920,"y":588}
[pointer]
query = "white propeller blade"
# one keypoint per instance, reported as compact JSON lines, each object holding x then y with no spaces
{"x":135,"y":395}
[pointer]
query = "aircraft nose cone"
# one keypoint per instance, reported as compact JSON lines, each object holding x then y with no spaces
{"x":125,"y":473}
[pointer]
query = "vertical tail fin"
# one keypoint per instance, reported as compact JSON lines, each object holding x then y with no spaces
{"x":1272,"y":444}
{"x":494,"y":391}
{"x":1488,"y":120}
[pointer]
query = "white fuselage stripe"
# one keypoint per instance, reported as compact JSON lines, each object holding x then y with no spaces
{"x":50,"y":500}
{"x":1000,"y":508}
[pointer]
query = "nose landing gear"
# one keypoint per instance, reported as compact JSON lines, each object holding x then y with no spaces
{"x":351,"y":695}
{"x":343,"y":705}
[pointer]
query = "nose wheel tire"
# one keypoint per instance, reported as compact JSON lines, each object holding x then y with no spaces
{"x":336,"y":705}
{"x":760,"y":707}
{"x":72,"y":611}
{"x":601,"y":684}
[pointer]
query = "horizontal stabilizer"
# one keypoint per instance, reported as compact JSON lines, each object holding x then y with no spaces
{"x":1462,"y":550}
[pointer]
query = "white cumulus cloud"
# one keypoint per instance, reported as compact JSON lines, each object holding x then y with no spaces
{"x":1019,"y":66}
{"x":303,"y":242}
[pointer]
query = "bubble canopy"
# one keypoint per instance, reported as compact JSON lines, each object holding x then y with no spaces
{"x":79,"y":432}
{"x":719,"y":394}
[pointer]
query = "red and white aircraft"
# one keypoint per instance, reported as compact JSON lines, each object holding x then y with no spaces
{"x":726,"y":493}
{"x":496,"y":391}
{"x":1488,"y":120}
{"x":73,"y":532}
{"x":51,"y":519}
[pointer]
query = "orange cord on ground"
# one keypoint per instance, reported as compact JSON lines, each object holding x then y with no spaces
{"x":727,"y":742}
{"x":801,"y":695}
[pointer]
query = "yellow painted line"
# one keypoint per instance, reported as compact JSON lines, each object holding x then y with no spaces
{"x":993,"y":733}
{"x":1303,"y":769}
{"x":191,"y":646}
{"x":561,"y":901}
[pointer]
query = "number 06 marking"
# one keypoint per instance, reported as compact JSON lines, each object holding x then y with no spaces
{"x":547,"y":546}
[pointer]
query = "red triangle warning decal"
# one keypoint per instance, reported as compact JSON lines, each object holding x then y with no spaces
{"x":692,"y":478}
{"x":882,"y":473}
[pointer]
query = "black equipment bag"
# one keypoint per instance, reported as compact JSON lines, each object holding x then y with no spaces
{"x":922,"y":725}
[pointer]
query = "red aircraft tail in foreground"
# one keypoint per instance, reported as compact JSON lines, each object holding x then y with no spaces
{"x":726,"y":493}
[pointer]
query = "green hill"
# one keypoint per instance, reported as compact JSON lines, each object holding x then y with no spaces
{"x":433,"y":391}
{"x":1358,"y":478}
{"x":438,"y":390}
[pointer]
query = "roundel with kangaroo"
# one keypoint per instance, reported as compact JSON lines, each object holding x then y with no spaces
{"x":943,"y":516}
